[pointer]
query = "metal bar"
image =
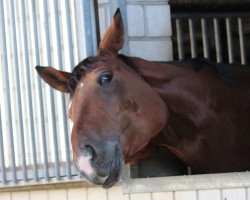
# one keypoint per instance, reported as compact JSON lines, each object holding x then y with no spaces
{"x":65,"y":122}
{"x":57,"y":165}
{"x":179,"y":39}
{"x":192,"y":38}
{"x":88,"y":27}
{"x":40,"y":95}
{"x":70,"y":40}
{"x":217,"y":40}
{"x":24,"y":168}
{"x":205,"y":38}
{"x":58,"y":35}
{"x":31,"y":116}
{"x":242,"y":42}
{"x":93,"y":22}
{"x":97,"y":24}
{"x":6,"y":65}
{"x":79,"y":17}
{"x":3,"y":170}
{"x":123,"y":7}
{"x":229,"y":40}
{"x":9,"y":109}
{"x":67,"y":145}
{"x":17,"y":77}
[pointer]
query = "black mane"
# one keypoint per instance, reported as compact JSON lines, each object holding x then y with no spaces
{"x":81,"y":69}
{"x":222,"y":72}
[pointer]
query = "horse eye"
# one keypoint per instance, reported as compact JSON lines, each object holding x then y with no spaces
{"x":104,"y":79}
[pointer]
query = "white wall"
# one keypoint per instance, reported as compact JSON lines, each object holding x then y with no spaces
{"x":115,"y":193}
{"x":149,"y":27}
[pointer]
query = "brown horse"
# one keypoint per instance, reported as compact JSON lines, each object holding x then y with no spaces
{"x":121,"y":107}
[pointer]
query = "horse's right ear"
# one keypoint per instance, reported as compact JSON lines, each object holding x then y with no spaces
{"x":55,"y":78}
{"x":113,"y":39}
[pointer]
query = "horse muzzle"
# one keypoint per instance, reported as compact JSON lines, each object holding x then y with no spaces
{"x":101,"y":166}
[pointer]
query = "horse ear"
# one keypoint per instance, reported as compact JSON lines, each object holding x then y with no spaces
{"x":113,"y":39}
{"x":55,"y":78}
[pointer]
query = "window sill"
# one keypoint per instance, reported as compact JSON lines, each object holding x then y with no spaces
{"x":185,"y":182}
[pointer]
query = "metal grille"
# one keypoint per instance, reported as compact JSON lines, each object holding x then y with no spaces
{"x":34,"y":130}
{"x":223,"y":37}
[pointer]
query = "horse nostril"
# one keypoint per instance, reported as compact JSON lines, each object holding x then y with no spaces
{"x":88,"y":151}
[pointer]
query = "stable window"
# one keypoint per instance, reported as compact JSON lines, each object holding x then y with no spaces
{"x":215,"y":30}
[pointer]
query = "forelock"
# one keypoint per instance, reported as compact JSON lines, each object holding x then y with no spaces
{"x":81,"y":69}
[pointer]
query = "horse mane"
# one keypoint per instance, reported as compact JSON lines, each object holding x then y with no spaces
{"x":223,"y":73}
{"x":128,"y":62}
{"x":198,"y":63}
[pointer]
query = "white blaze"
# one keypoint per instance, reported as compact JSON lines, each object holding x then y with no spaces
{"x":84,"y":165}
{"x":81,"y":85}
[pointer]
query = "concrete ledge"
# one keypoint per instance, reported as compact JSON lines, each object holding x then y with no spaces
{"x":64,"y":183}
{"x":188,"y":182}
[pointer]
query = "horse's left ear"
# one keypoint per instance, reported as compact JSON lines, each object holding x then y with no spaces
{"x":55,"y":78}
{"x":113,"y":39}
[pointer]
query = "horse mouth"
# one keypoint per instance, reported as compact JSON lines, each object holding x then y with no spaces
{"x":116,"y":169}
{"x":112,"y":177}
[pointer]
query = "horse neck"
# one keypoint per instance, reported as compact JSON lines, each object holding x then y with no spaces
{"x":155,"y":73}
{"x":164,"y":79}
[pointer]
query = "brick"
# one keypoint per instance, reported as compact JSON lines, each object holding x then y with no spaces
{"x":209,"y":194}
{"x":135,"y":18}
{"x":158,"y":20}
{"x":57,"y":195}
{"x":19,"y":196}
{"x":97,"y":193}
{"x":162,"y":196}
{"x":140,"y":196}
{"x":39,"y":195}
{"x":184,"y":195}
{"x":5,"y":196}
{"x":77,"y":194}
{"x":115,"y":193}
{"x":234,"y":194}
{"x":152,"y":50}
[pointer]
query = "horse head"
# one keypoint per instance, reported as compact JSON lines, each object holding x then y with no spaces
{"x":115,"y":113}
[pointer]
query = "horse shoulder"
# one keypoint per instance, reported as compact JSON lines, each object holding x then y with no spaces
{"x":211,"y":118}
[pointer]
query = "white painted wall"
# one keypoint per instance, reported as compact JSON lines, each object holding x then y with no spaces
{"x":149,"y":27}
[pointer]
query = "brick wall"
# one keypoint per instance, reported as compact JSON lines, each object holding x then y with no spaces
{"x":115,"y":193}
{"x":149,"y":27}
